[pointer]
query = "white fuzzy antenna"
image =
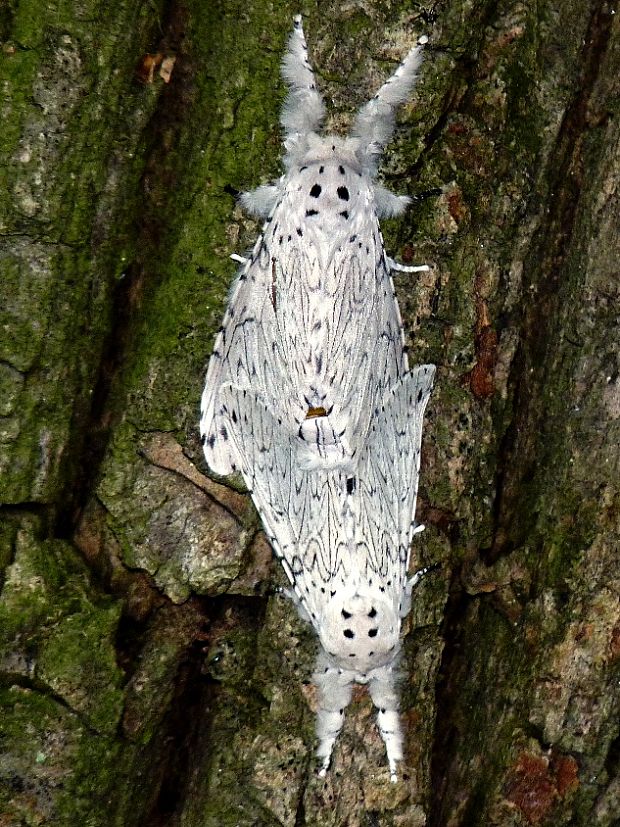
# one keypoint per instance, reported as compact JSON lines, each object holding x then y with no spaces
{"x":303,"y":108}
{"x":374,"y":124}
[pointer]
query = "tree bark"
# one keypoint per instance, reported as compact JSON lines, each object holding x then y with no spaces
{"x":150,"y":673}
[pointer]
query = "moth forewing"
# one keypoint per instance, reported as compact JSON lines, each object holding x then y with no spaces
{"x":312,"y":320}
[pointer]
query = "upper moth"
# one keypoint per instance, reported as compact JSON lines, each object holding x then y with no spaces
{"x":313,"y":324}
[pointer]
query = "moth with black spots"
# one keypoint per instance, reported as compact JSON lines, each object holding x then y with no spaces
{"x":309,"y":395}
{"x":312,"y":321}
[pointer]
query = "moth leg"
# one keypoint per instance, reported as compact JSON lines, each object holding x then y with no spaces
{"x":387,"y":204}
{"x":335,"y":688}
{"x":407,"y":268}
{"x":384,"y":696}
{"x":410,"y":586}
{"x":415,"y":579}
{"x":261,"y":201}
{"x":239,"y":259}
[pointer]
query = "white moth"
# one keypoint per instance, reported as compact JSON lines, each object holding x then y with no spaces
{"x":343,"y":539}
{"x":312,"y":325}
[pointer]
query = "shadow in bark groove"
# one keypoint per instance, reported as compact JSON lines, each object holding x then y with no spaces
{"x":521,"y":454}
{"x":180,"y":745}
{"x":193,"y":691}
{"x":612,"y":762}
{"x":91,"y":429}
{"x":446,"y":732}
{"x":300,"y":815}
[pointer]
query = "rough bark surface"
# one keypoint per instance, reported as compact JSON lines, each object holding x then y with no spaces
{"x":150,"y":674}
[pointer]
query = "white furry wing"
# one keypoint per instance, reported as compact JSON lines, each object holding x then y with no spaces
{"x":301,"y":512}
{"x":388,"y":478}
{"x":312,"y":324}
{"x":360,"y":626}
{"x":328,"y":527}
{"x":338,"y":331}
{"x":235,"y":355}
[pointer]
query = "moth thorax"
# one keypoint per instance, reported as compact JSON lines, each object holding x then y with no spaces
{"x":360,"y":630}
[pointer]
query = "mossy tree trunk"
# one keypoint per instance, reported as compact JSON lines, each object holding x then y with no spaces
{"x":149,"y":672}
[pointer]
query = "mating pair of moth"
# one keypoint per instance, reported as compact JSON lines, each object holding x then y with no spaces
{"x":309,"y":395}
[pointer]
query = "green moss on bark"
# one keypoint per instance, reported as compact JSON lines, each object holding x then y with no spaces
{"x":74,"y":119}
{"x":53,"y":769}
{"x":117,"y":226}
{"x":55,"y":635}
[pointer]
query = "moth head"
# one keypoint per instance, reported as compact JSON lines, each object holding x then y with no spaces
{"x":360,"y":629}
{"x":313,"y":148}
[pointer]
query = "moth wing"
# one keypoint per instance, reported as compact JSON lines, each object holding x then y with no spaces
{"x":340,"y":338}
{"x":389,"y":360}
{"x":281,"y":343}
{"x":389,"y":472}
{"x":404,"y":408}
{"x":370,"y":353}
{"x":301,"y":512}
{"x":237,"y":354}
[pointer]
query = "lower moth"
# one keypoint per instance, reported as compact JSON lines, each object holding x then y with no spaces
{"x":344,"y":542}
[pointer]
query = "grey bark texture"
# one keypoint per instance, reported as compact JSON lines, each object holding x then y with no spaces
{"x":150,"y":674}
